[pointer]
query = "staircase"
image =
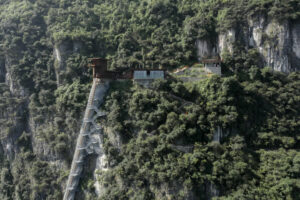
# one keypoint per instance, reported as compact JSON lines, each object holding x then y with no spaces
{"x":85,"y":143}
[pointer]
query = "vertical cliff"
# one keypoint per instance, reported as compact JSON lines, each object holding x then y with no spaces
{"x":62,"y":51}
{"x":277,"y":42}
{"x":153,"y":147}
{"x":2,"y":69}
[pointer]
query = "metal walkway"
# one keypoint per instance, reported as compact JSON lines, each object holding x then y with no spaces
{"x":85,"y":143}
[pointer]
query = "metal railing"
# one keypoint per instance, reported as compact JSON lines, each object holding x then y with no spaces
{"x":84,"y":141}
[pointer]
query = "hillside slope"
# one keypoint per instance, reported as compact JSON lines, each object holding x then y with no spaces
{"x":154,"y":147}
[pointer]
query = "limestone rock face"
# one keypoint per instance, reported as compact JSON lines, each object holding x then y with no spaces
{"x":14,"y":115}
{"x":277,"y":43}
{"x":273,"y":42}
{"x":167,"y":191}
{"x":61,"y":53}
{"x":10,"y":79}
{"x":40,"y":148}
{"x":101,"y":167}
{"x":8,"y":145}
{"x":295,"y":34}
{"x":206,"y":49}
{"x":211,"y":191}
{"x":226,"y":40}
{"x":2,"y":70}
{"x":102,"y":164}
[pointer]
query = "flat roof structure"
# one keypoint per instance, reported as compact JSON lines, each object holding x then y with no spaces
{"x":100,"y":70}
{"x":211,"y":61}
{"x":148,"y":74}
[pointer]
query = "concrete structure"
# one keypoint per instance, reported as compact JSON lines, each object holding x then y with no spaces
{"x":145,"y":77}
{"x":142,"y":76}
{"x":100,"y":70}
{"x":213,"y":65}
{"x":85,"y":143}
{"x":99,"y":66}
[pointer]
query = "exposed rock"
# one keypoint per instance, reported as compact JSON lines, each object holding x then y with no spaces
{"x":101,"y":167}
{"x":102,"y":164}
{"x":226,"y":40}
{"x":9,"y":148}
{"x":295,"y":34}
{"x":206,"y":49}
{"x":211,"y":190}
{"x":2,"y":70}
{"x":61,"y":53}
{"x":40,"y":148}
{"x":14,"y":86}
{"x":273,"y":42}
{"x":184,"y":149}
{"x":87,"y":139}
{"x":9,"y":137}
{"x":218,"y":134}
{"x":278,"y":43}
{"x":167,"y":191}
{"x":114,"y":138}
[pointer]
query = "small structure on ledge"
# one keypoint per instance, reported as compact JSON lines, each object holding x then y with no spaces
{"x":100,"y":70}
{"x":213,"y":65}
{"x":145,"y":77}
{"x":141,"y":76}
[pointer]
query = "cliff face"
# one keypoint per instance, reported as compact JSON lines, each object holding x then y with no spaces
{"x":62,"y":51}
{"x":10,"y":79}
{"x":13,"y":109}
{"x":102,"y":164}
{"x":2,"y":70}
{"x":277,"y":43}
{"x":19,"y":117}
{"x":14,"y":124}
{"x":44,"y":46}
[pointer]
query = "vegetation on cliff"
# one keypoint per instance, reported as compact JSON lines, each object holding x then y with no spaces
{"x":169,"y":142}
{"x":258,"y":160}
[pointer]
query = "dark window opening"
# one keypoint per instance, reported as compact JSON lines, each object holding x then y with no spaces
{"x":148,"y":73}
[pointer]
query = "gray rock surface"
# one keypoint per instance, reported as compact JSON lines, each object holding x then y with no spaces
{"x":277,"y":43}
{"x":61,"y":53}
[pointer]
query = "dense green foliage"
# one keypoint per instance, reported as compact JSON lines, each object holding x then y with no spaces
{"x":258,"y":159}
{"x":13,"y":113}
{"x":260,"y":108}
{"x":131,"y":33}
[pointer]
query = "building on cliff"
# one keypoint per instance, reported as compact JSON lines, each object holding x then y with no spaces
{"x":145,"y":77}
{"x":212,"y":65}
{"x":100,"y":70}
{"x":141,"y":76}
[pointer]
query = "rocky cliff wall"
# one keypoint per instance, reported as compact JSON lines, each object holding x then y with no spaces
{"x":61,"y":53}
{"x":2,"y":70}
{"x":13,"y":108}
{"x":277,"y":43}
{"x":102,"y":163}
{"x":13,"y":124}
{"x":10,"y":79}
{"x":18,"y":117}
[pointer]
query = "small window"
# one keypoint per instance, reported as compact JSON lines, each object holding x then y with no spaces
{"x":148,"y":73}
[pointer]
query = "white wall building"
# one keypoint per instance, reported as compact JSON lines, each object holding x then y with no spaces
{"x":145,"y":77}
